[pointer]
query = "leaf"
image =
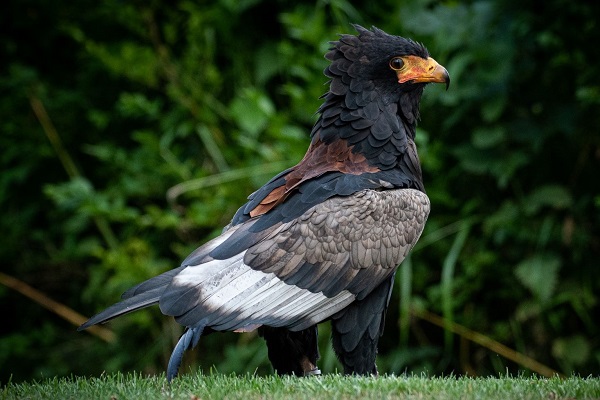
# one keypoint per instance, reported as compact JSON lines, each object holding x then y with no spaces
{"x":555,"y":196}
{"x":71,"y":194}
{"x":138,"y":105}
{"x":505,"y":169}
{"x":267,"y":63}
{"x":484,"y":138}
{"x":252,"y":110}
{"x":574,"y":350}
{"x":503,"y":218}
{"x":493,"y":108}
{"x":471,"y":159}
{"x":539,"y":274}
{"x":589,"y":94}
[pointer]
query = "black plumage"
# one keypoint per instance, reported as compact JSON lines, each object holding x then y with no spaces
{"x":321,"y":240}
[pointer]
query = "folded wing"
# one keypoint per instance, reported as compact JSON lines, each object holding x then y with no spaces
{"x":303,"y":271}
{"x":292,"y":274}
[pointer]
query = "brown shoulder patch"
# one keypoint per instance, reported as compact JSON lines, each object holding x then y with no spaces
{"x":275,"y":197}
{"x":318,"y":160}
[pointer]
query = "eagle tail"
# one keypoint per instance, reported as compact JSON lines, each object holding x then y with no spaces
{"x":126,"y":306}
{"x":140,"y":296}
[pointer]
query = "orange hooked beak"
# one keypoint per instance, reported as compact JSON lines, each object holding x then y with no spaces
{"x":421,"y":70}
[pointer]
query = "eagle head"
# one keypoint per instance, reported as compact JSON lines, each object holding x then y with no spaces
{"x":376,"y":83}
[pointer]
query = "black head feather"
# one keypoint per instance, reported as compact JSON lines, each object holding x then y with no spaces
{"x":361,"y":62}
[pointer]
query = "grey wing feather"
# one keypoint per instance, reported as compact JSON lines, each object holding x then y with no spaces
{"x":346,"y":243}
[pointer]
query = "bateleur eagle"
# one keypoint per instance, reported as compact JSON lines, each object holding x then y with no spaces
{"x":321,"y":240}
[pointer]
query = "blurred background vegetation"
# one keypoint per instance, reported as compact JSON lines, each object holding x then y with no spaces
{"x":132,"y":130}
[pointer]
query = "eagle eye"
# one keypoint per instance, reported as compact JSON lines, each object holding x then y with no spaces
{"x":396,"y":63}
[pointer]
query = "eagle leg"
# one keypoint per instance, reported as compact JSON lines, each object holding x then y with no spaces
{"x":359,"y":360}
{"x":292,"y":353}
{"x":356,"y":330}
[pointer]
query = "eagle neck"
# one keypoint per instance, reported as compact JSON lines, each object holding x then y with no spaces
{"x":374,"y":127}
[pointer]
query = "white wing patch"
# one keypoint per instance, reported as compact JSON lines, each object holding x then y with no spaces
{"x":230,"y":295}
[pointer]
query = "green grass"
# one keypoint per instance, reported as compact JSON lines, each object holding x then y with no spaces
{"x":190,"y":387}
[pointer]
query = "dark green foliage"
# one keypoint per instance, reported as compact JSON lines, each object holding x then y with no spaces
{"x":167,"y":116}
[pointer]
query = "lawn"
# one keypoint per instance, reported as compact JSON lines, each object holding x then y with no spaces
{"x":191,"y":387}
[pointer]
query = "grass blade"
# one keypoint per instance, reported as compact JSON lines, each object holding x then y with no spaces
{"x":447,"y":282}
